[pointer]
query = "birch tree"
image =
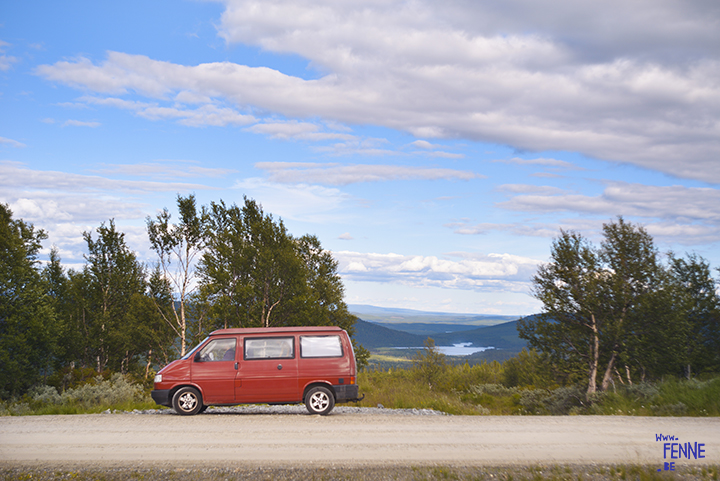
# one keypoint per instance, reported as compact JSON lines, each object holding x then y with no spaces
{"x":255,"y":274}
{"x":595,"y":300}
{"x":178,"y":247}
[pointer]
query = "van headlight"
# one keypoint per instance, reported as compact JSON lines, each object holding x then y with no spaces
{"x":158,"y":377}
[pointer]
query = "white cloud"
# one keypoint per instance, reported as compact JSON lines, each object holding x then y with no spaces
{"x":562,"y":164}
{"x":534,"y":75}
{"x":337,"y":174}
{"x":529,"y":189}
{"x":489,"y":273}
{"x":672,"y":214}
{"x":208,"y":114}
{"x":80,"y":123}
{"x":298,"y":131}
{"x":14,"y":175}
{"x":6,"y":61}
{"x":165,"y":169}
{"x":302,"y":202}
{"x":204,"y":115}
{"x":424,"y":144}
{"x":67,"y":204}
{"x":678,"y":203}
{"x":11,"y":142}
{"x":431,"y":150}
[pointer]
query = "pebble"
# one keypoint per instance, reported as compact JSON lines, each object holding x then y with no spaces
{"x":298,"y":409}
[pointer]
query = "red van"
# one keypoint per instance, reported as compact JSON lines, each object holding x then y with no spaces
{"x":314,"y":365}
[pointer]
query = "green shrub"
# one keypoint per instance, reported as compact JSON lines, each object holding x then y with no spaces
{"x":563,"y":400}
{"x":699,"y":398}
{"x":98,"y":395}
{"x":429,"y":365}
{"x":528,"y":369}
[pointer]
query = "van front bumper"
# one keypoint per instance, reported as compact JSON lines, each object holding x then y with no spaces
{"x":161,"y":396}
{"x":346,"y":393}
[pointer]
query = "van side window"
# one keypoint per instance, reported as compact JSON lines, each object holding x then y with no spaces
{"x":217,"y":350}
{"x":269,"y":348}
{"x":320,"y":346}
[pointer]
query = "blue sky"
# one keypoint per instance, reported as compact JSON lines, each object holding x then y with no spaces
{"x":435,"y":148}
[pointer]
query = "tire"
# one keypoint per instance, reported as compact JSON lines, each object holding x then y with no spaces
{"x":319,"y":400}
{"x":187,"y":401}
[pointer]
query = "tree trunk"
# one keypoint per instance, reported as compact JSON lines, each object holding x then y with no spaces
{"x":594,"y":359}
{"x":149,"y":362}
{"x":183,"y":327}
{"x":608,"y":373}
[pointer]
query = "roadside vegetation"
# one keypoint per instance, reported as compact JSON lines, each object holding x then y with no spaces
{"x":523,"y":385}
{"x":528,"y":385}
{"x":94,"y":395}
{"x":555,"y":472}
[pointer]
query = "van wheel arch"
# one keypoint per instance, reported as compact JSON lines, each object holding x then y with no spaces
{"x":318,"y":384}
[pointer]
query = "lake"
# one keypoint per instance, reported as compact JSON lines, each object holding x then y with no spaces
{"x":461,"y":349}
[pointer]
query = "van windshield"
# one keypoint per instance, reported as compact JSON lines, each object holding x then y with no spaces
{"x":190,"y":353}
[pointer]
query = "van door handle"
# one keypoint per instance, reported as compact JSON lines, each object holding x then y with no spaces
{"x":236,"y":365}
{"x":279,"y":367}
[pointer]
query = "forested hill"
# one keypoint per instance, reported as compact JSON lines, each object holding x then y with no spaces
{"x":372,"y":336}
{"x":501,"y":336}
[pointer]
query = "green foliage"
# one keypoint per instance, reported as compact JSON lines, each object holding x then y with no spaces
{"x":112,"y":315}
{"x":255,"y":274}
{"x":430,"y":364}
{"x":528,"y":369}
{"x":96,"y":395}
{"x":28,"y":331}
{"x":520,"y":386}
{"x":115,"y":280}
{"x":362,"y":356}
{"x":695,"y":315}
{"x":178,"y":247}
{"x":617,"y":307}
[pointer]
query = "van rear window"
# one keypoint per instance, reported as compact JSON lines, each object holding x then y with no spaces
{"x":269,"y":348}
{"x":320,"y":346}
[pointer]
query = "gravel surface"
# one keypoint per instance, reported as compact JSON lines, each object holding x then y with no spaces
{"x":489,"y":473}
{"x":285,"y":442}
{"x":292,"y":409}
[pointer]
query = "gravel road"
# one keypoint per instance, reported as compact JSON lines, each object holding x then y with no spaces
{"x":350,"y":437}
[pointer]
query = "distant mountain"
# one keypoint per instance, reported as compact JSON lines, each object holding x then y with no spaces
{"x":502,"y":336}
{"x":426,"y":329}
{"x":368,"y":309}
{"x":372,"y":336}
{"x":389,"y":315}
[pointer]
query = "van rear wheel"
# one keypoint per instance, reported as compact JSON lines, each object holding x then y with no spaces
{"x":319,"y":400}
{"x":187,"y":401}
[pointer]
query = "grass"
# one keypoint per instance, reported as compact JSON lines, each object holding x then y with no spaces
{"x":516,"y":387}
{"x":482,"y":389}
{"x":397,"y":472}
{"x":671,"y":397}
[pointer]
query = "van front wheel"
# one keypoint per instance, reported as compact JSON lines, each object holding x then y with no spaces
{"x":319,"y":400}
{"x":187,"y":401}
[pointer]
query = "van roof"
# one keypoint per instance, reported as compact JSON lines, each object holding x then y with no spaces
{"x":274,"y":330}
